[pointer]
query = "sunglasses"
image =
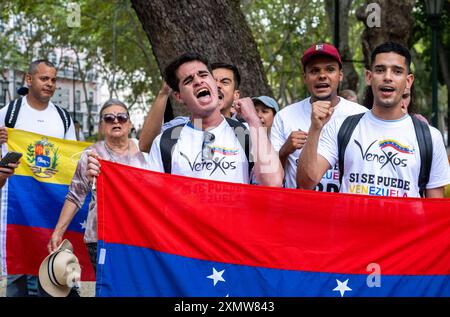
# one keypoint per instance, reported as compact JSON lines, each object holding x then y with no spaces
{"x":121,"y":117}
{"x":207,"y":151}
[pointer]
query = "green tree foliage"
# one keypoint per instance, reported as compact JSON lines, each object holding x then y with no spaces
{"x":421,"y":52}
{"x":109,"y":39}
{"x":283,"y":29}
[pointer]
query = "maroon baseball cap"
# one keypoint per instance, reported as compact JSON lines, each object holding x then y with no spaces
{"x":321,"y":49}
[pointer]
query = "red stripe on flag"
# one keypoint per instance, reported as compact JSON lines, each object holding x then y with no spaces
{"x":26,"y":248}
{"x":272,"y":227}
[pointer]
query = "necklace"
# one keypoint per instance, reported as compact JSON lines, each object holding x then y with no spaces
{"x":114,"y":158}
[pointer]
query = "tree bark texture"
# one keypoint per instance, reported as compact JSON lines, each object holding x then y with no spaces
{"x":350,"y":80}
{"x":214,"y":28}
{"x":445,"y":71}
{"x":396,"y":25}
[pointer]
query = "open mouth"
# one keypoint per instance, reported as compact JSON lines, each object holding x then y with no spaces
{"x":220,"y":94}
{"x":322,"y":86}
{"x":117,"y":128}
{"x":203,"y":93}
{"x":387,"y":90}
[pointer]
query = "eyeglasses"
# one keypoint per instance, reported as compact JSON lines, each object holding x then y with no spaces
{"x":207,"y":151}
{"x":122,"y":117}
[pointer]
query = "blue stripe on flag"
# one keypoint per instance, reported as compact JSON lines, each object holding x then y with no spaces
{"x":137,"y":271}
{"x":42,"y":206}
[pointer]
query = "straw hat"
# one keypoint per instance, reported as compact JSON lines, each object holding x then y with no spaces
{"x":60,"y":271}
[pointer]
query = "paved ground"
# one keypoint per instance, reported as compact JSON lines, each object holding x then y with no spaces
{"x":87,"y":289}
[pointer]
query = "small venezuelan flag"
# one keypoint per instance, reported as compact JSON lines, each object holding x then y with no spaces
{"x":32,"y":200}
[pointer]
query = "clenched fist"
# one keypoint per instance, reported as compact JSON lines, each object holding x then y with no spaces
{"x":322,"y":111}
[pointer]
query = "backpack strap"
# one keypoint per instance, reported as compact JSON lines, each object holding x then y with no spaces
{"x":170,"y":137}
{"x":168,"y":140}
{"x":65,"y":117}
{"x":425,"y":142}
{"x":344,"y":135}
{"x":13,"y":112}
{"x":243,"y":135}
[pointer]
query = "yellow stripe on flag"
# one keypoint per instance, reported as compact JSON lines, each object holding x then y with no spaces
{"x":47,"y":159}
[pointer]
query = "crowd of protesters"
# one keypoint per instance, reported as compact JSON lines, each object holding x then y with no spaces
{"x":299,"y":146}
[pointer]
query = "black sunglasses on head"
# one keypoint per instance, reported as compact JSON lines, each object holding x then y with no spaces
{"x":122,"y":117}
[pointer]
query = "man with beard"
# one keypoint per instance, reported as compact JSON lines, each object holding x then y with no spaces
{"x":383,"y":154}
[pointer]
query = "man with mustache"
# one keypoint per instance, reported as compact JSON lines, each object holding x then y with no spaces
{"x":383,"y":155}
{"x":322,"y":73}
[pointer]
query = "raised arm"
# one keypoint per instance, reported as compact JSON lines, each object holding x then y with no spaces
{"x":267,"y":169}
{"x":153,"y":122}
{"x":311,"y":165}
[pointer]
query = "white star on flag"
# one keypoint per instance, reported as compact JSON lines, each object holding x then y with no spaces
{"x":216,"y":276}
{"x":83,"y":224}
{"x":342,"y":287}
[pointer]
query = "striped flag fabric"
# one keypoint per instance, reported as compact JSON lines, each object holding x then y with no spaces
{"x":32,"y":200}
{"x":167,"y":235}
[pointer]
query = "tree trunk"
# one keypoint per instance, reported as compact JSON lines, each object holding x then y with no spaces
{"x":214,"y":28}
{"x":350,"y":80}
{"x":445,"y":71}
{"x":396,"y":24}
{"x":88,"y":102}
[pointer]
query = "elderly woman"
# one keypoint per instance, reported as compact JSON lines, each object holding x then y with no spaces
{"x":115,"y":127}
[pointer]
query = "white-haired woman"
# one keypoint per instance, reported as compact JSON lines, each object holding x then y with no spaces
{"x":116,"y":146}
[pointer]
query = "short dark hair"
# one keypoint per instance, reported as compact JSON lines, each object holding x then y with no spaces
{"x":394,"y":47}
{"x":233,"y":68}
{"x":170,"y":72}
{"x":34,"y":65}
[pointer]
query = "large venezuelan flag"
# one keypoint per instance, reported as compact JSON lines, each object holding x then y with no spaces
{"x":32,"y":201}
{"x":165,"y":235}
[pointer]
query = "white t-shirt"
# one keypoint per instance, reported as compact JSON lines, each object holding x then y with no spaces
{"x":298,"y":117}
{"x":47,"y":122}
{"x":229,"y":162}
{"x":382,"y":157}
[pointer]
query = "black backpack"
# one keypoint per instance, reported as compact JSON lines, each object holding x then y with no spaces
{"x":424,"y":140}
{"x":13,"y":112}
{"x":170,"y":137}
